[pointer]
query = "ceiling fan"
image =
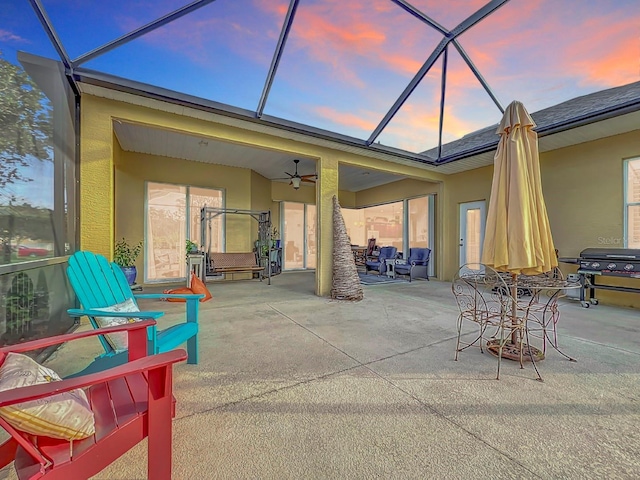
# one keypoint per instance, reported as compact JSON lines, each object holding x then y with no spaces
{"x":296,"y":178}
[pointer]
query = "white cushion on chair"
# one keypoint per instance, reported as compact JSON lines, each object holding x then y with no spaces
{"x":119,"y":340}
{"x":65,"y":415}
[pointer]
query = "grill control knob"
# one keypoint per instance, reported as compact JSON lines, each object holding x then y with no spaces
{"x":595,"y":265}
{"x":628,"y":267}
{"x":611,"y":266}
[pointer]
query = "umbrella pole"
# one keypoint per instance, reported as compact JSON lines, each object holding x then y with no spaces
{"x":514,"y":308}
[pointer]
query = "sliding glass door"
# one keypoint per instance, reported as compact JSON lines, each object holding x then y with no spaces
{"x":299,"y":236}
{"x":172,"y":216}
{"x":418,"y":222}
{"x":404,"y":224}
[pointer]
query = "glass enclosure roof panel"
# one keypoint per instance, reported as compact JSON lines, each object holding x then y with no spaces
{"x":345,"y":63}
{"x":545,"y":52}
{"x":21,"y":30}
{"x":415,"y":126}
{"x":85,"y":25}
{"x":468,"y":106}
{"x":449,"y":13}
{"x":221,"y":52}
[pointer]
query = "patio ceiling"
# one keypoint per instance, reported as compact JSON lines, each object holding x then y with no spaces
{"x":270,"y":164}
{"x":391,"y":76}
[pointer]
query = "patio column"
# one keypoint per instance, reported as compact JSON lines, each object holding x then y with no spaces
{"x":96,"y":186}
{"x":326,"y":188}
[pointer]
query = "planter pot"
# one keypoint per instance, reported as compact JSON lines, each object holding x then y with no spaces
{"x":130,"y":273}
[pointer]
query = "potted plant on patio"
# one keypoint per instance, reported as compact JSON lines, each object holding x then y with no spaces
{"x":275,"y":238}
{"x":124,"y":255}
{"x":191,"y":247}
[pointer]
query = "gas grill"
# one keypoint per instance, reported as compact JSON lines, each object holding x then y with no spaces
{"x":606,"y":262}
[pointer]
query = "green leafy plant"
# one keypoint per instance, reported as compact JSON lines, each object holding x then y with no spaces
{"x":125,"y":255}
{"x":191,"y":246}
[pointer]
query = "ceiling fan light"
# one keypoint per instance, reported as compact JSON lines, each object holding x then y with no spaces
{"x":296,"y":182}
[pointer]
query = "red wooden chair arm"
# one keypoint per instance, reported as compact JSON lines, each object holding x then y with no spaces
{"x":34,"y":392}
{"x":17,"y":395}
{"x":127,"y":414}
{"x":133,"y":330}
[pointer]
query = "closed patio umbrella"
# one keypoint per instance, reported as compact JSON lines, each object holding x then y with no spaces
{"x":517,"y":236}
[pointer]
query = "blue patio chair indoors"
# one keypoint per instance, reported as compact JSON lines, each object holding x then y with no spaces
{"x":417,"y":264}
{"x":101,"y":285}
{"x":379,"y":263}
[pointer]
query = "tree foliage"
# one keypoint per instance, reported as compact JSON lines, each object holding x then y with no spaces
{"x":25,"y":123}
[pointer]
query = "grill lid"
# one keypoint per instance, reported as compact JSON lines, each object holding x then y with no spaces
{"x":611,"y":253}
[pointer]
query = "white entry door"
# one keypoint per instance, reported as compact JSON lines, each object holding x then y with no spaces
{"x":472,"y":223}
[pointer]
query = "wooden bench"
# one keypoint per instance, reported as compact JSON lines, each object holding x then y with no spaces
{"x":235,"y":263}
{"x":130,"y":402}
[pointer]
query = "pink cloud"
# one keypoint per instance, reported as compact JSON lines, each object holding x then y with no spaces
{"x":552,"y":44}
{"x":348,"y":119}
{"x":610,"y":56}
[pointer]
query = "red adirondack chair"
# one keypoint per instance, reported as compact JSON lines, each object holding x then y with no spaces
{"x":130,"y":402}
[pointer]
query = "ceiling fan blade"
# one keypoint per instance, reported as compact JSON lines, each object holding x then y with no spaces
{"x":289,"y":174}
{"x":312,"y":175}
{"x":309,"y":180}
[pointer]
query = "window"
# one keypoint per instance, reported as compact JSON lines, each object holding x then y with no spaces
{"x":299,"y":236}
{"x":632,"y":203}
{"x":37,"y":164}
{"x":382,"y":222}
{"x":37,"y":198}
{"x":173,"y":215}
{"x":418,"y":213}
{"x":405,"y":224}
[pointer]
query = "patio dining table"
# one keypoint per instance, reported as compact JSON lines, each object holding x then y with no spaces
{"x":537,"y":305}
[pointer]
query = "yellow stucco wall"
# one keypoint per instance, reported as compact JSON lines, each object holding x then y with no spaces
{"x":96,"y":180}
{"x":470,"y":186}
{"x":393,"y":192}
{"x":99,"y":214}
{"x":582,"y":186}
{"x":134,"y":169}
{"x":583,"y":190}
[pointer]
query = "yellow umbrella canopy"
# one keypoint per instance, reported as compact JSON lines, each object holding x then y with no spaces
{"x":518,"y":237}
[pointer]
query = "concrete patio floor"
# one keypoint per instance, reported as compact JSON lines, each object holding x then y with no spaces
{"x":293,"y":386}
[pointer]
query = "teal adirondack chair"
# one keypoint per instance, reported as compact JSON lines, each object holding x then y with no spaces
{"x":99,"y":283}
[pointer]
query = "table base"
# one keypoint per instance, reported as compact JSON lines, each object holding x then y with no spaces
{"x":511,"y":351}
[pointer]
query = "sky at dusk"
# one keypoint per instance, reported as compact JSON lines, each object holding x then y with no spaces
{"x":346,"y":62}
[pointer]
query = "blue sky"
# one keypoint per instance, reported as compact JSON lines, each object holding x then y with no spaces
{"x":345,"y":63}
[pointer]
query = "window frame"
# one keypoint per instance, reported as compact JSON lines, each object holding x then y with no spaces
{"x":188,"y":232}
{"x":626,"y":202}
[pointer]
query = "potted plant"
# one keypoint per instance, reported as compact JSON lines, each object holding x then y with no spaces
{"x":275,"y":239}
{"x":192,"y":247}
{"x":124,"y":255}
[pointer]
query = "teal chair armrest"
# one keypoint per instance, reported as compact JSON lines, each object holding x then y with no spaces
{"x":192,"y":301}
{"x":186,"y":296}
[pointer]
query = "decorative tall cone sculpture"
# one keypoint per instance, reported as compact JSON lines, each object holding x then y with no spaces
{"x":346,"y":282}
